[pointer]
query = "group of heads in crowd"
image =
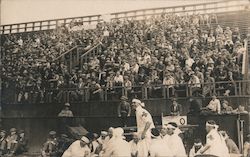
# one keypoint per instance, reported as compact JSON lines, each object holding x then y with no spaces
{"x":166,"y":50}
{"x":13,"y":142}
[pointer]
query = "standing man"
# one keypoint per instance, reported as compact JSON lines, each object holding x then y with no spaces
{"x":124,"y":110}
{"x":215,"y":143}
{"x":173,"y":140}
{"x":144,"y":124}
{"x":65,"y":118}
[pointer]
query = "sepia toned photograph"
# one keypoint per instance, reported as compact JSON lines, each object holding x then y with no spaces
{"x":125,"y":78}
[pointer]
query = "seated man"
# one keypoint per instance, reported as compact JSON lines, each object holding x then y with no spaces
{"x":96,"y":92}
{"x":226,"y":109}
{"x":196,"y":147}
{"x":50,"y":147}
{"x":3,"y":142}
{"x":12,"y":141}
{"x":246,"y":147}
{"x":66,"y":112}
{"x":214,"y":106}
{"x":240,"y":110}
{"x":22,"y":144}
{"x":175,"y":108}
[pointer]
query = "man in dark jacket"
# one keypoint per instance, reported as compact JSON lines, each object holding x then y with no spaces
{"x":175,"y":108}
{"x":195,"y":106}
{"x":22,"y":144}
{"x":124,"y":110}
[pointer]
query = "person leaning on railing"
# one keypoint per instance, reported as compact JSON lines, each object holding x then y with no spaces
{"x":213,"y":107}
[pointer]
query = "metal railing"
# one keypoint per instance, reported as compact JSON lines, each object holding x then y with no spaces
{"x":143,"y":92}
{"x":96,"y":50}
{"x":202,"y":8}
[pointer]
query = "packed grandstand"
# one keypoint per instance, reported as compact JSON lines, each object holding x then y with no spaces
{"x":167,"y":51}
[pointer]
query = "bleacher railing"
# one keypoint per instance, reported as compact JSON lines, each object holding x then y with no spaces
{"x":201,"y":8}
{"x":96,"y":50}
{"x":86,"y":94}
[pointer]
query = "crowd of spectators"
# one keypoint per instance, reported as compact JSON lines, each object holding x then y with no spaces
{"x":179,"y":52}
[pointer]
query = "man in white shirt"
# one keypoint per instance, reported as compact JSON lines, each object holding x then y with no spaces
{"x":78,"y":148}
{"x":136,"y":146}
{"x":215,"y":143}
{"x":144,"y":124}
{"x":118,"y":78}
{"x":189,"y":62}
{"x":157,"y":146}
{"x":214,"y":105}
{"x":173,"y":140}
{"x":119,"y":147}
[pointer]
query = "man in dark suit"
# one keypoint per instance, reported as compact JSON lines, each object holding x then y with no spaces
{"x":175,"y":108}
{"x":124,"y":110}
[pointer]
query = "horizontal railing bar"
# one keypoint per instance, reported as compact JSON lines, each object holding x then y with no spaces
{"x":174,"y":12}
{"x":245,"y":3}
{"x":138,"y":86}
{"x":180,"y":6}
{"x":54,"y":20}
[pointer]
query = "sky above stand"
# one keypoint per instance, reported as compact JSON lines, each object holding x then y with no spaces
{"x":17,"y":11}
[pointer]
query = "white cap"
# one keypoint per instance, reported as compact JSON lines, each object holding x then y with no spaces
{"x":136,"y":101}
{"x":142,"y":104}
{"x":139,"y":102}
{"x":85,"y":139}
{"x":212,"y":125}
{"x":104,"y":133}
{"x":118,"y":132}
{"x":170,"y":126}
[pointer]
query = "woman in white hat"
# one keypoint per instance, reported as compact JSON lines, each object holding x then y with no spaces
{"x":78,"y":148}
